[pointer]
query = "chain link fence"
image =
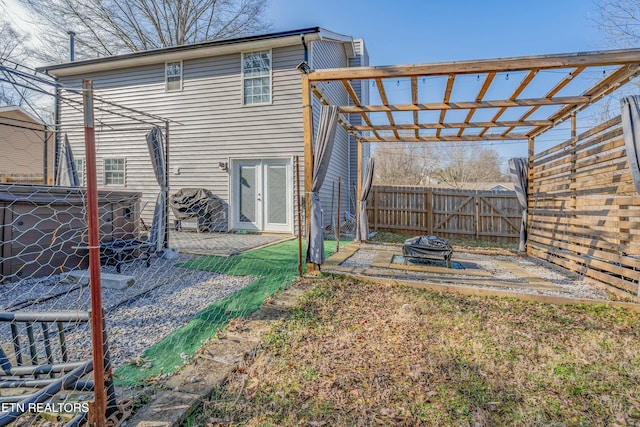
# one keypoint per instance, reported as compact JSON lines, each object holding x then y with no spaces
{"x":170,"y":281}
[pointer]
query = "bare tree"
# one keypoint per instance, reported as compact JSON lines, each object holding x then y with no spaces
{"x":403,"y":164}
{"x":619,"y":21}
{"x":110,"y":27}
{"x":13,"y":52}
{"x":436,"y":163}
{"x":464,"y":165}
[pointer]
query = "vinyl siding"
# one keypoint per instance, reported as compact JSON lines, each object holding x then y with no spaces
{"x":209,"y":122}
{"x":362,"y":88}
{"x":326,"y":54}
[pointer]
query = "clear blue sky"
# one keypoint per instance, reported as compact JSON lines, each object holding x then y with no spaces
{"x":422,"y":31}
{"x":418,"y":31}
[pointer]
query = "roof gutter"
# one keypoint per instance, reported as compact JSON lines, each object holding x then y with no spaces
{"x":180,"y":53}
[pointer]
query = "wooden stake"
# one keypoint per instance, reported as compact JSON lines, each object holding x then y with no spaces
{"x":298,"y":203}
{"x":307,"y":125}
{"x":338,"y":220}
{"x":359,"y":189}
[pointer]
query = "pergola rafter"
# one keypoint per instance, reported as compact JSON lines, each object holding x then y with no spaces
{"x":523,"y":85}
{"x":557,"y":88}
{"x":464,"y":105}
{"x":483,"y":90}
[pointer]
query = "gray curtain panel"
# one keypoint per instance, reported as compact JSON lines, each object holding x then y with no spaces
{"x":519,"y":169}
{"x":321,"y":157}
{"x":362,"y":230}
{"x":67,"y":172}
{"x":630,"y":111}
{"x":156,"y":152}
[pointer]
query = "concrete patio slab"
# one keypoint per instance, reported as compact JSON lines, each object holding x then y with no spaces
{"x":222,"y":244}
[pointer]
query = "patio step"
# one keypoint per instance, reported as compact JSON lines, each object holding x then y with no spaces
{"x":107,"y":280}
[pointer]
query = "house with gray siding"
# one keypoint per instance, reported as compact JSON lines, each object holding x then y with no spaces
{"x":234,"y":109}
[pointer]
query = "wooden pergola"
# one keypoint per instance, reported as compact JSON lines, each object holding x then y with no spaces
{"x":535,"y":105}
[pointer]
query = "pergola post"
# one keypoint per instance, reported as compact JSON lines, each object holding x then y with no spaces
{"x":359,"y":186}
{"x":531,"y":149}
{"x":307,"y":125}
{"x":574,"y":159}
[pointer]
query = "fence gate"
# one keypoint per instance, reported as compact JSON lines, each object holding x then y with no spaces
{"x":485,"y":215}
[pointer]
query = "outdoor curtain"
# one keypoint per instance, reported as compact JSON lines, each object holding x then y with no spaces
{"x":156,"y":152}
{"x":321,"y":156}
{"x":630,"y":111}
{"x":67,"y":172}
{"x":518,"y":168}
{"x":362,"y":230}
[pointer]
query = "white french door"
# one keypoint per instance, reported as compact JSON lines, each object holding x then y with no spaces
{"x":262,"y":195}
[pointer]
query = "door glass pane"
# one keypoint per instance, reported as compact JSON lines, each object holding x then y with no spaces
{"x":247,"y":194}
{"x":277,"y":194}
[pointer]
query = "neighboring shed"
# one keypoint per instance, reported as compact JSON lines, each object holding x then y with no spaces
{"x":27,"y":148}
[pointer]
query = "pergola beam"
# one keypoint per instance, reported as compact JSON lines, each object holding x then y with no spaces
{"x":526,"y":123}
{"x":464,"y":105}
{"x":448,"y":138}
{"x":540,"y":62}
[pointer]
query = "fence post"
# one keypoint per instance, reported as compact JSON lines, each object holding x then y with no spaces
{"x":375,"y":208}
{"x":477,"y":215}
{"x":429,"y":212}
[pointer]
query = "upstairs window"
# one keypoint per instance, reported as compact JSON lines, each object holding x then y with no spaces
{"x":81,"y":171}
{"x":114,"y":170}
{"x":173,"y":76}
{"x":256,"y":77}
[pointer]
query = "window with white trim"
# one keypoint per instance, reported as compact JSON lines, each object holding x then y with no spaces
{"x":173,"y":76}
{"x":81,"y":171}
{"x":256,"y":77}
{"x":114,"y":171}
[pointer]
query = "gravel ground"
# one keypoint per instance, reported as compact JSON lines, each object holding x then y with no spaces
{"x":570,"y":284}
{"x":163,"y":298}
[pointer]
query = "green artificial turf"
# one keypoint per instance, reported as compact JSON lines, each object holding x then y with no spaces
{"x":275,"y":267}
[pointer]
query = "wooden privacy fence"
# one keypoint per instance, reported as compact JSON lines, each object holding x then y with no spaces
{"x":484,"y":215}
{"x":583,"y":208}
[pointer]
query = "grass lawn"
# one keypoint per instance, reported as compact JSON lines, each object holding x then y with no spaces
{"x":358,"y":354}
